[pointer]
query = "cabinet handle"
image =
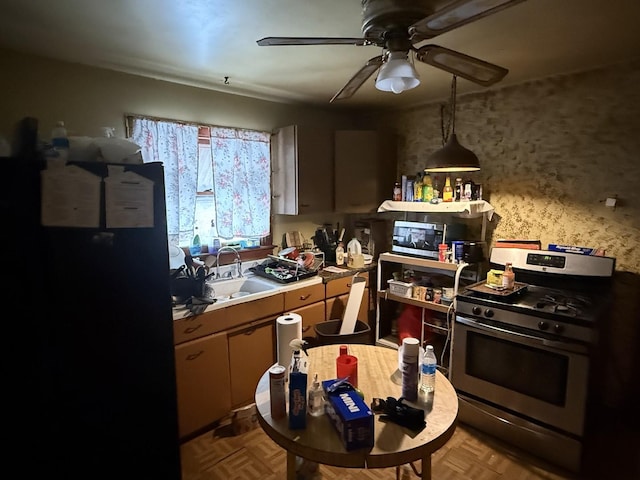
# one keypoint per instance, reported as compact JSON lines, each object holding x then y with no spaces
{"x":251,"y":331}
{"x":192,"y":329}
{"x":306,"y":329}
{"x":304,"y":297}
{"x":193,"y":356}
{"x":305,"y":205}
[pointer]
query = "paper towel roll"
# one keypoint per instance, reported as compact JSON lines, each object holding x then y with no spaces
{"x":288,"y":327}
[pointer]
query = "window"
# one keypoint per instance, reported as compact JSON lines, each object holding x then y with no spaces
{"x":217,"y":179}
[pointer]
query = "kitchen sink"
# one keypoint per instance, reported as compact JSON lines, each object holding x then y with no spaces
{"x":227,"y":289}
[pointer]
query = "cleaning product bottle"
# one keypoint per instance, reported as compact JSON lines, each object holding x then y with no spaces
{"x":340,"y":254}
{"x":316,"y":398}
{"x":298,"y":385}
{"x":409,"y":368}
{"x":195,"y":247}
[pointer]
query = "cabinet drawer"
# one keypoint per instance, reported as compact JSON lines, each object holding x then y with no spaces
{"x":196,"y":326}
{"x":254,"y":310}
{"x":340,"y":286}
{"x":303,"y":296}
{"x":336,"y":306}
{"x":311,"y":314}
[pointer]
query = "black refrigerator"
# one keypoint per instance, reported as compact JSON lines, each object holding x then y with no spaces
{"x":89,"y":368}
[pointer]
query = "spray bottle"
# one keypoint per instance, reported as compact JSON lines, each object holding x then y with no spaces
{"x":298,"y":371}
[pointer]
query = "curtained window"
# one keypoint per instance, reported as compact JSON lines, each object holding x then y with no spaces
{"x":217,"y":179}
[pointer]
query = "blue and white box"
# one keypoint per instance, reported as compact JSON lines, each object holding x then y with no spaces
{"x":350,"y":415}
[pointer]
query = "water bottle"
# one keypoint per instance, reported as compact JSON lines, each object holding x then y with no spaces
{"x":409,"y":368}
{"x":428,"y":372}
{"x":60,"y":140}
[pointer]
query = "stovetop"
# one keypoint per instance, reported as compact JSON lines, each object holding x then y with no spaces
{"x":548,"y":312}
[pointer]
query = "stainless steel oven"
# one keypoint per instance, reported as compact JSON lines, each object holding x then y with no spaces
{"x":521,"y":361}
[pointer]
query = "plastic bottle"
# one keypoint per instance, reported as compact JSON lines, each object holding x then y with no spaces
{"x":447,"y":191}
{"x":436,"y":190}
{"x":418,"y":187}
{"x":195,"y":248}
{"x":60,"y":140}
{"x":427,"y":188}
{"x":458,"y":190}
{"x":340,"y":254}
{"x":316,"y":398}
{"x":409,"y":368}
{"x":428,"y":372}
{"x":508,"y":277}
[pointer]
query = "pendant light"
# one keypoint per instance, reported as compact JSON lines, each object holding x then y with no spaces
{"x":452,"y":157}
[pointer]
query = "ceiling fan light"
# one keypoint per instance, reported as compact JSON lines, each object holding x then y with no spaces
{"x":397,"y":74}
{"x":453,"y":157}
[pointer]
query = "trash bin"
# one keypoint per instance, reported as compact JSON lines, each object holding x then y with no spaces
{"x":328,"y":333}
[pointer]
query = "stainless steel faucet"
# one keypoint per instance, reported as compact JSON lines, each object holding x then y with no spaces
{"x":238,"y":260}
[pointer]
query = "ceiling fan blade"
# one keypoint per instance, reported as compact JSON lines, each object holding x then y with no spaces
{"x":457,"y":14}
{"x":471,"y":68}
{"x":275,"y":41}
{"x":358,"y":79}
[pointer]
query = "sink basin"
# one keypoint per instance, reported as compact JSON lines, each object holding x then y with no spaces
{"x":240,"y":287}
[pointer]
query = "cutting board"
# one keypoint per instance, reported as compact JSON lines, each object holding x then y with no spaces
{"x":294,"y":239}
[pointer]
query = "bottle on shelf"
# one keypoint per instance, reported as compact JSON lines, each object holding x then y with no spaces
{"x":458,"y":190}
{"x":397,"y":192}
{"x":436,"y":190}
{"x":418,"y":187}
{"x":447,"y":191}
{"x":508,"y":277}
{"x":427,"y":188}
{"x":428,"y":370}
{"x":409,"y":368}
{"x":60,"y":140}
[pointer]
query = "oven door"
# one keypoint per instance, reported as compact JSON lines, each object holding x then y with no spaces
{"x":534,"y":377}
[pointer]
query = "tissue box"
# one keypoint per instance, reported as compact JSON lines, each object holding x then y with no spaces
{"x":579,"y":250}
{"x":350,"y":415}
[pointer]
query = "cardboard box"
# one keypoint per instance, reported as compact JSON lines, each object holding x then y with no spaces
{"x":579,"y":250}
{"x":350,"y":415}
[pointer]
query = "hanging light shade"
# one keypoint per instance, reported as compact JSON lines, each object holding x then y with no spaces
{"x":397,"y":74}
{"x":452,"y":157}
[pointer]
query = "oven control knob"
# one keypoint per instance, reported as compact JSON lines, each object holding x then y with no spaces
{"x":476,"y":310}
{"x":543,"y":325}
{"x":558,"y":328}
{"x":488,"y":313}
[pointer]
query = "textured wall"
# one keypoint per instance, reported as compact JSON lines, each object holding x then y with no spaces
{"x":551,"y":152}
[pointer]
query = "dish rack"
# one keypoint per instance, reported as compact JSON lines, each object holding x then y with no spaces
{"x":283,"y":270}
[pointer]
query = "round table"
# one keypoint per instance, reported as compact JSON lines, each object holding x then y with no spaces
{"x":378,"y":377}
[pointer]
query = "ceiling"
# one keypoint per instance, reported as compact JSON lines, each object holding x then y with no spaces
{"x":202,"y":42}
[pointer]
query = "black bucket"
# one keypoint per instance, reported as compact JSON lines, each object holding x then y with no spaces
{"x":328,"y":333}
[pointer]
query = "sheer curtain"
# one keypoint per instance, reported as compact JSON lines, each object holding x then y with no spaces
{"x":235,"y":166}
{"x":176,"y":146}
{"x":241,"y":181}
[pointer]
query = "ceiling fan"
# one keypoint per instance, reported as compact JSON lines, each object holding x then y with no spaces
{"x":397,"y":26}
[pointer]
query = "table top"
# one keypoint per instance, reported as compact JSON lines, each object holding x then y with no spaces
{"x":378,"y":377}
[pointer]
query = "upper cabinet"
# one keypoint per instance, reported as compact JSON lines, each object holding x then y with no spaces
{"x":365,"y":166}
{"x":302,"y":170}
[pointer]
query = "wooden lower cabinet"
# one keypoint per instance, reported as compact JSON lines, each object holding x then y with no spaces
{"x":251,"y":352}
{"x":336,"y":306}
{"x":203,"y":383}
{"x":311,"y":314}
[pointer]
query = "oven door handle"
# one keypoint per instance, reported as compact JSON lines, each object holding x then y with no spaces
{"x":527,"y":339}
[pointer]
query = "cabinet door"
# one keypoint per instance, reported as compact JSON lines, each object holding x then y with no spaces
{"x":337,"y":305}
{"x":202,"y":379}
{"x":365,"y":164}
{"x":251,"y":353}
{"x":302,"y":170}
{"x":311,"y":314}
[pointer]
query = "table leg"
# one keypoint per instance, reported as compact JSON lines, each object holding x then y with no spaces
{"x":291,"y":466}
{"x":426,"y":467}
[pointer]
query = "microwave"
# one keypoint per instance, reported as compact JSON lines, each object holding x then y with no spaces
{"x":417,"y":238}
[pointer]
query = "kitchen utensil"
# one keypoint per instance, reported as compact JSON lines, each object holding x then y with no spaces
{"x":291,"y":253}
{"x":294,"y":239}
